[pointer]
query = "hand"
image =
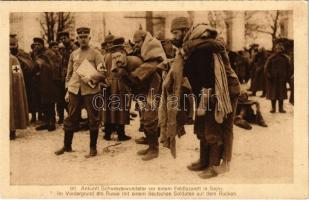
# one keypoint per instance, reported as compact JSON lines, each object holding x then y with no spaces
{"x":121,"y":72}
{"x":66,"y":98}
{"x":85,"y":79}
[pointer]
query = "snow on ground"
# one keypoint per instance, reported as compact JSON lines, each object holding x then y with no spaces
{"x":260,"y":155}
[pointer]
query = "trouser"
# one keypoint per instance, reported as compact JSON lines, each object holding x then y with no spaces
{"x":71,"y":123}
{"x":49,"y":113}
{"x":61,"y":104}
{"x":210,"y":154}
{"x":273,"y":104}
{"x":68,"y":138}
{"x":149,"y":119}
{"x":110,"y":127}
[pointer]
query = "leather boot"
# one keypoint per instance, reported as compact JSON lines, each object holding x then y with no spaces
{"x":208,"y":173}
{"x":68,"y":137}
{"x":108,"y":132}
{"x":259,"y":119}
{"x":93,"y":143}
{"x":281,"y":110}
{"x":202,"y":162}
{"x":153,"y":151}
{"x":121,"y":133}
{"x":273,"y":106}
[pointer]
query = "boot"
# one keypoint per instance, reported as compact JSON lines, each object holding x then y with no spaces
{"x":141,"y":140}
{"x":42,"y":127}
{"x":60,"y":120}
{"x":108,"y":132}
{"x":273,"y":106}
{"x":222,"y":168}
{"x":281,"y":110}
{"x":68,"y":137}
{"x":143,"y":152}
{"x":153,"y":150}
{"x":208,"y":173}
{"x":259,"y":119}
{"x":93,"y":143}
{"x":12,"y":135}
{"x":121,"y":133}
{"x":202,"y":162}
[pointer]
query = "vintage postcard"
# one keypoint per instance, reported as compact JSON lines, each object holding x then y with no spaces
{"x":189,"y":99}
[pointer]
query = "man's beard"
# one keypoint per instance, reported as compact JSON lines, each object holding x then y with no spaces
{"x":177,"y":43}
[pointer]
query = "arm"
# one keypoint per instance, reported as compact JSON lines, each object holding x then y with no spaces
{"x":69,"y":71}
{"x":213,"y":45}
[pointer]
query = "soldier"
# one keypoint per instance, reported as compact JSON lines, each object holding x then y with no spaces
{"x":26,"y":65}
{"x":65,"y":51}
{"x":204,"y":61}
{"x":245,"y":113}
{"x":19,"y":117}
{"x":278,"y":71}
{"x":82,"y":89}
{"x":114,"y":118}
{"x":108,"y":42}
{"x":44,"y":69}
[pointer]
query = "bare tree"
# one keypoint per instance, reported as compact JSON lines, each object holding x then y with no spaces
{"x":271,"y":27}
{"x":54,"y":22}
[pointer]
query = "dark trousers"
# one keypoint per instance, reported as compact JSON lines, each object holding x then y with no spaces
{"x":71,"y":123}
{"x":149,"y":119}
{"x":61,"y":103}
{"x":110,"y":128}
{"x":49,"y":113}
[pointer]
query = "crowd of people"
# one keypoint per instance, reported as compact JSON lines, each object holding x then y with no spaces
{"x":70,"y":76}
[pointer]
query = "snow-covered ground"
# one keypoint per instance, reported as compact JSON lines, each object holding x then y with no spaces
{"x":260,"y":155}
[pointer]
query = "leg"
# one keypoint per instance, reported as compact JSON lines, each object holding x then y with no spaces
{"x":109,"y":128}
{"x":71,"y":123}
{"x":273,"y":106}
{"x":12,"y":135}
{"x":51,"y":117}
{"x":121,"y":133}
{"x":94,"y":123}
{"x":281,"y":110}
{"x":202,"y":163}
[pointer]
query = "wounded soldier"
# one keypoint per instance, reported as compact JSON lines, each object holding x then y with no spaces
{"x":246,"y":114}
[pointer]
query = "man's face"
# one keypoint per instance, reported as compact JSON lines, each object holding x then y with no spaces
{"x":83,"y":40}
{"x":65,"y":40}
{"x":55,"y":48}
{"x":37,"y":47}
{"x":279,"y":48}
{"x":119,"y":58}
{"x":138,"y":44}
{"x":178,"y":34}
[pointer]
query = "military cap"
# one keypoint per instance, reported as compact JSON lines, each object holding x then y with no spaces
{"x":118,"y":44}
{"x":38,"y":40}
{"x":179,"y":23}
{"x":52,"y":43}
{"x":63,"y":34}
{"x":13,"y":41}
{"x":83,"y":30}
{"x":139,"y":35}
{"x":109,"y":38}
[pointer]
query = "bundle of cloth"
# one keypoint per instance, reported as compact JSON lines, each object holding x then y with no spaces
{"x":173,"y":83}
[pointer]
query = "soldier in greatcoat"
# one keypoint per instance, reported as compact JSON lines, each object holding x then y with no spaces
{"x":116,"y":113}
{"x":44,"y":69}
{"x":278,"y":72}
{"x":214,"y":128}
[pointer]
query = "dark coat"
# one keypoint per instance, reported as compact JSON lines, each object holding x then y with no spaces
{"x":19,"y":117}
{"x":47,"y":87}
{"x":277,"y":73}
{"x":117,"y":101}
{"x":206,"y":127}
{"x":258,"y":76}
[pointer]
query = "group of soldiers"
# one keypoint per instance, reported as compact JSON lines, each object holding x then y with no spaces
{"x":194,"y":61}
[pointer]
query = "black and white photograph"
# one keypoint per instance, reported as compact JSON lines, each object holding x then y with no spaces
{"x":110,"y":102}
